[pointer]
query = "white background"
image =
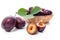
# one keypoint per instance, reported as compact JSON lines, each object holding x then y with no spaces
{"x":10,"y":7}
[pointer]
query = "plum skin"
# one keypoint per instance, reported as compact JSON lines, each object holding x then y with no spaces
{"x":8,"y":23}
{"x":19,"y":23}
{"x":28,"y":11}
{"x":41,"y":26}
{"x":40,"y":29}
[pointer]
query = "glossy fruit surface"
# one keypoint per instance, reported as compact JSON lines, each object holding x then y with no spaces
{"x":41,"y":26}
{"x":8,"y":23}
{"x":41,"y":29}
{"x":19,"y":23}
{"x":43,"y":12}
{"x":28,"y":11}
{"x":30,"y":8}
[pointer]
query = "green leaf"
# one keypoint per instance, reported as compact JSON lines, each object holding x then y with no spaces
{"x":35,"y":10}
{"x":22,"y":12}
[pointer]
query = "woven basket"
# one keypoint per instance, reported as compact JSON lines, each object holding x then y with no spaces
{"x":36,"y":19}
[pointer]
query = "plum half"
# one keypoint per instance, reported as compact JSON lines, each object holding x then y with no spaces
{"x":41,"y":26}
{"x":31,"y":28}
